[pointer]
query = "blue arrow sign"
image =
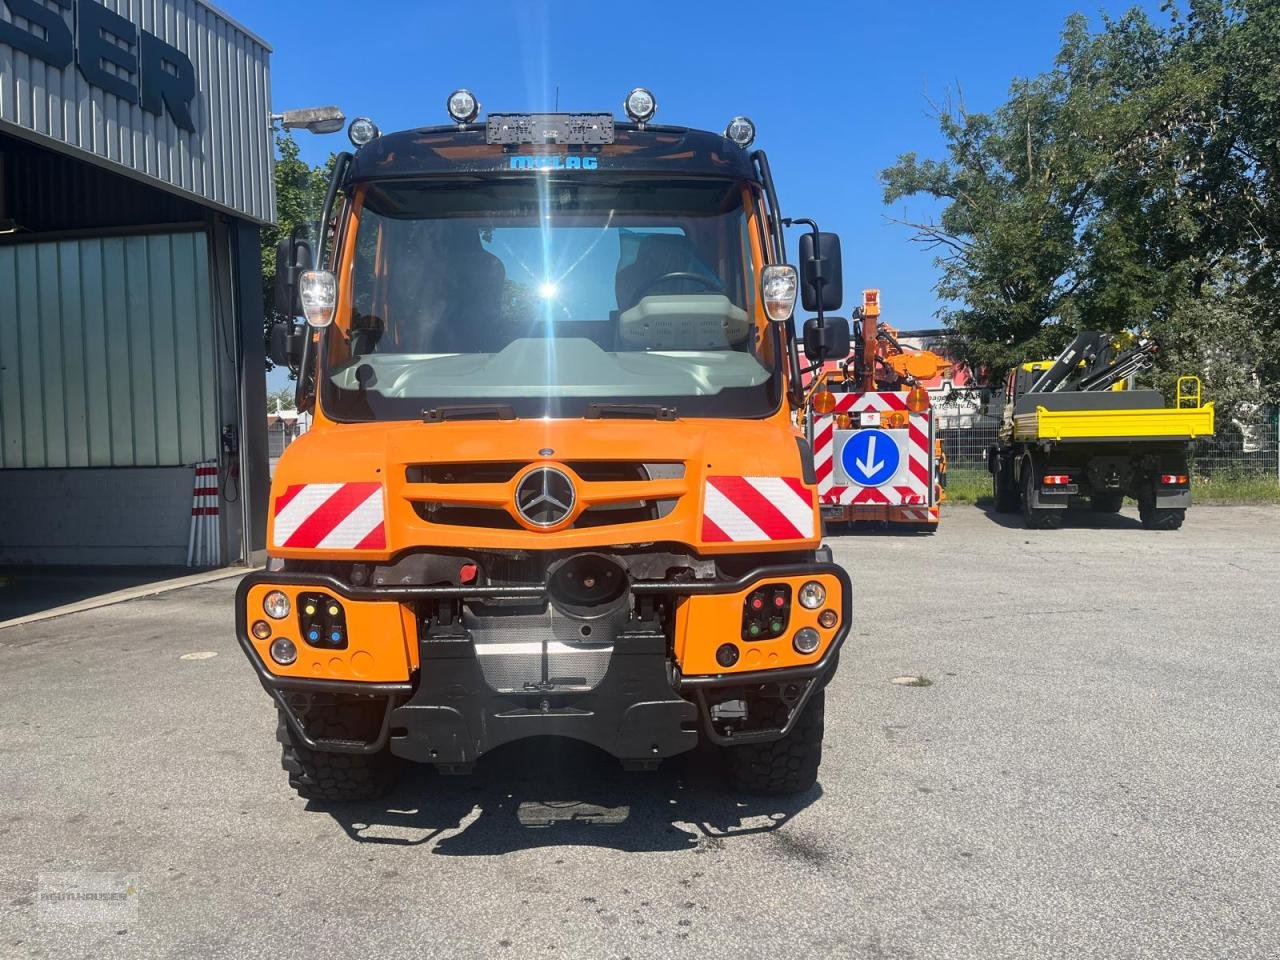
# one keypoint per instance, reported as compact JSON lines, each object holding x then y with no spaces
{"x":870,"y":457}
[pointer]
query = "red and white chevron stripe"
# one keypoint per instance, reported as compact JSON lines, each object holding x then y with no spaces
{"x":759,"y":509}
{"x":331,"y":516}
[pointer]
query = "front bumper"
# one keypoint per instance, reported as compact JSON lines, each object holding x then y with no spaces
{"x":643,"y":710}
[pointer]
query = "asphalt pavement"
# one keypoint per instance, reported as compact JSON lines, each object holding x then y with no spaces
{"x":1090,"y":771}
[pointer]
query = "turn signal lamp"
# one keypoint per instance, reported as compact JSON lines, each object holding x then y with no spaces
{"x":824,"y":401}
{"x":1173,"y":479}
{"x":318,"y":291}
{"x":778,"y":284}
{"x":918,"y":399}
{"x":844,"y":421}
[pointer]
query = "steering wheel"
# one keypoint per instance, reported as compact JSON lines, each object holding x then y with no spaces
{"x":710,"y":283}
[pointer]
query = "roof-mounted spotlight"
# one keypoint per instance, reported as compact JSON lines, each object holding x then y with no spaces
{"x":640,"y":105}
{"x":741,"y":131}
{"x":463,"y":106}
{"x":362,"y":130}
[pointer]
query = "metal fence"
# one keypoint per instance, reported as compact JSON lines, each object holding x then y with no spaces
{"x":967,"y":428}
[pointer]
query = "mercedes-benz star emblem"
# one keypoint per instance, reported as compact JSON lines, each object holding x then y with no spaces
{"x":545,"y":497}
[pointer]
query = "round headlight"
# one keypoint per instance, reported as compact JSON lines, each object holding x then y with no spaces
{"x":741,"y":131}
{"x":362,"y":130}
{"x":276,"y":605}
{"x":261,"y":629}
{"x":463,"y":106}
{"x":283,"y":651}
{"x":778,"y":284}
{"x":640,"y":105}
{"x":806,"y":640}
{"x":813,"y":595}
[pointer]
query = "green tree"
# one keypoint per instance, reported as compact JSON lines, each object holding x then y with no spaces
{"x":300,"y":193}
{"x":1133,"y":186}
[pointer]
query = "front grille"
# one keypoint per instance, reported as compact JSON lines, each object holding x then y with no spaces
{"x":589,"y":471}
{"x":503,"y":472}
{"x":454,"y":514}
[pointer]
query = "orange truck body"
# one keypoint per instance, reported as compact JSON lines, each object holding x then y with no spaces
{"x":417,"y":530}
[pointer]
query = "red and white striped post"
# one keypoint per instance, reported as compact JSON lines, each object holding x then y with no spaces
{"x":204,"y":545}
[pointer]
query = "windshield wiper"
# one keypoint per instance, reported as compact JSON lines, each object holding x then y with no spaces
{"x":638,"y":411}
{"x":473,"y":411}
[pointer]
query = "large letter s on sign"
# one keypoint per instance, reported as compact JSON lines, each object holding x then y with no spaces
{"x":54,"y":48}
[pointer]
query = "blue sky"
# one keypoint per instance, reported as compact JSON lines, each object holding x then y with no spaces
{"x":837,"y":90}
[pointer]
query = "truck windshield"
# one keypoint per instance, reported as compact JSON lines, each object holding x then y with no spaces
{"x":547,"y":295}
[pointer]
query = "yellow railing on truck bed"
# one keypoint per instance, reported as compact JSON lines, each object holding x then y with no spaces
{"x":1163,"y":423}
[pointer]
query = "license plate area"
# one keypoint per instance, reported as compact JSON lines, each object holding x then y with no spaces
{"x":513,"y":129}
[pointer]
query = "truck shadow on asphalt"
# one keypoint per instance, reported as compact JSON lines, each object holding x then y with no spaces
{"x":547,"y":793}
{"x":1072,"y":520}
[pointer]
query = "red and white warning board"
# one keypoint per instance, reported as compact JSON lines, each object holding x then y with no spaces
{"x":330,"y":516}
{"x":883,"y":458}
{"x":757,"y":509}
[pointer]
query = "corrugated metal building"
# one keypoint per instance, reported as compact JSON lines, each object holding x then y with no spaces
{"x":135,"y":174}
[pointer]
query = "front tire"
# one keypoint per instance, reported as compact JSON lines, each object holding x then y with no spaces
{"x":785,"y":766}
{"x":336,"y":777}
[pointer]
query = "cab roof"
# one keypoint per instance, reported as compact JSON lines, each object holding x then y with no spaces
{"x":454,"y":149}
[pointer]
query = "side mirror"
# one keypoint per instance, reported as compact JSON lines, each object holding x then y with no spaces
{"x":821,"y":272}
{"x":286,"y":345}
{"x":830,"y":341}
{"x":293,"y":256}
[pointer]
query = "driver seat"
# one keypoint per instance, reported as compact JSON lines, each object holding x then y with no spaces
{"x":656,"y":256}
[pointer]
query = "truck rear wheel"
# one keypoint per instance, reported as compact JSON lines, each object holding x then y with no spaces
{"x":1037,"y":518}
{"x":1106,"y":502}
{"x":789,"y":765}
{"x":1003,"y":491}
{"x":336,"y":777}
{"x":1158,"y":518}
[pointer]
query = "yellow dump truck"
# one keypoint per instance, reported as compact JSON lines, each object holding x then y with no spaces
{"x":1075,"y":430}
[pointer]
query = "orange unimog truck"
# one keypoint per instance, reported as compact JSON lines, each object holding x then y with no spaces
{"x":556,"y":483}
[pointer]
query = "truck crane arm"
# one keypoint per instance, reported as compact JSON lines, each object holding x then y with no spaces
{"x":1112,"y":367}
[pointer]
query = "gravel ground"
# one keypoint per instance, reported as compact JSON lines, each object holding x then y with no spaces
{"x":1091,"y":773}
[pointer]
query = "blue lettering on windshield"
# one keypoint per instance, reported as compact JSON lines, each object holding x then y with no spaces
{"x":554,"y":161}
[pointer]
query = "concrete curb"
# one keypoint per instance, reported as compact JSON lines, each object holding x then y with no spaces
{"x":130,"y":593}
